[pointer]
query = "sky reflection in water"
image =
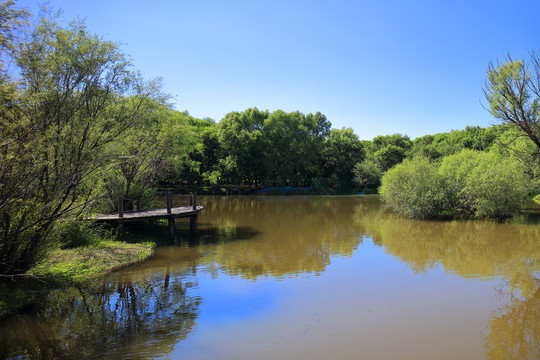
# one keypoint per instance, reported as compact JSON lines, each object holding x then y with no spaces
{"x":316,"y":278}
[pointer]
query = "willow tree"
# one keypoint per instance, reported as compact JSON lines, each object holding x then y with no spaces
{"x":71,"y":95}
{"x":513,"y":92}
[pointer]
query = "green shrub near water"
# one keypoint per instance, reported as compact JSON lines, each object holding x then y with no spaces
{"x":415,"y":188}
{"x":467,"y":184}
{"x":76,"y":233}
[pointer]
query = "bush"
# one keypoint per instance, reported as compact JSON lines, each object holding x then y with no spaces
{"x":414,"y":188}
{"x":498,"y":188}
{"x":76,"y":233}
{"x":469,"y":183}
{"x":455,"y":171}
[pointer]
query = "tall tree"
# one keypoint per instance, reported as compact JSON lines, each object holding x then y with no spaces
{"x":74,"y":95}
{"x":513,"y":92}
{"x":240,"y":134}
{"x":342,"y":151}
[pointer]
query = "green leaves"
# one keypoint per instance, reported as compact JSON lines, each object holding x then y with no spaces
{"x":513,"y":92}
{"x":469,"y":184}
{"x":74,"y":100}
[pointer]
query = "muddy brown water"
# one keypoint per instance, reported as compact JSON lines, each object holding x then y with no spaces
{"x":305,"y":278}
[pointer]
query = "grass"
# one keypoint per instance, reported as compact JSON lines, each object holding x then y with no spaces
{"x":82,"y":263}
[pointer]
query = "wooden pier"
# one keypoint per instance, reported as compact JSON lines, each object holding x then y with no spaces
{"x":192,"y":211}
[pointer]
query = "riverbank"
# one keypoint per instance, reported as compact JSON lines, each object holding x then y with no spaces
{"x":70,"y":267}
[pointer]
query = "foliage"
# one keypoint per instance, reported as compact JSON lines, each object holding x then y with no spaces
{"x":75,"y":233}
{"x":367,"y":174}
{"x":387,"y":151}
{"x":278,"y":148}
{"x":444,"y":144}
{"x":414,"y":188}
{"x":74,"y":96}
{"x":497,"y":188}
{"x":513,"y":92}
{"x":342,"y":150}
{"x":469,"y":183}
{"x":240,"y":135}
{"x":513,"y":143}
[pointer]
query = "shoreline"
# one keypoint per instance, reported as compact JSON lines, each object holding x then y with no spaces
{"x":70,"y":267}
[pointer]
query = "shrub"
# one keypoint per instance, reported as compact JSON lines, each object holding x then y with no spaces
{"x":455,"y":170}
{"x":469,"y":183}
{"x":498,"y":188}
{"x":414,"y":188}
{"x":76,"y":233}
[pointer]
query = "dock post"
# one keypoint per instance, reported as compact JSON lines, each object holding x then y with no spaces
{"x":172,"y":228}
{"x":193,"y":220}
{"x":121,"y":214}
{"x":170,"y":218}
{"x":169,"y":201}
{"x":194,"y":201}
{"x":121,"y":207}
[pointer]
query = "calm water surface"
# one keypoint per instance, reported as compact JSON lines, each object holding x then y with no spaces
{"x":305,"y":278}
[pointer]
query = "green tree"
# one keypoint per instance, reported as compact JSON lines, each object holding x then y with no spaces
{"x":285,"y":140}
{"x":513,"y":92}
{"x":240,"y":134}
{"x":75,"y":95}
{"x":389,"y":150}
{"x":342,"y":151}
{"x":367,"y":174}
{"x":485,"y":185}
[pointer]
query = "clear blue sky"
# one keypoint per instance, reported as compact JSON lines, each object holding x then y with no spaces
{"x":380,"y":67}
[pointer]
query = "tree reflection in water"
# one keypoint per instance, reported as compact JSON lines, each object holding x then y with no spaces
{"x":124,"y":318}
{"x":477,"y":249}
{"x":515,"y":334}
{"x":145,"y":315}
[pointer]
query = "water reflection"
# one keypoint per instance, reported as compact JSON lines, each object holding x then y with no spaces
{"x":146,"y":310}
{"x":305,"y":234}
{"x":294,"y":235}
{"x":515,"y":334}
{"x":121,"y":318}
{"x":471,"y":249}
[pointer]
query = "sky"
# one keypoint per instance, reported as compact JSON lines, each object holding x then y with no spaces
{"x":379,"y":67}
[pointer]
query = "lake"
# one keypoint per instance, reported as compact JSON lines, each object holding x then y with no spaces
{"x":318,"y":277}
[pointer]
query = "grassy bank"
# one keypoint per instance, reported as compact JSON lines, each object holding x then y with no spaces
{"x":78,"y":264}
{"x":69,"y":267}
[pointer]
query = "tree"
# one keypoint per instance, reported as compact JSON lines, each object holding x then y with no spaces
{"x":513,"y":92}
{"x":75,"y":94}
{"x":240,"y":134}
{"x":146,"y":152}
{"x":342,"y":151}
{"x":367,"y":174}
{"x":387,"y":151}
{"x":286,"y":140}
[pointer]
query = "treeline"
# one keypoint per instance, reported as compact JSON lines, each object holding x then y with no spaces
{"x":263,"y":149}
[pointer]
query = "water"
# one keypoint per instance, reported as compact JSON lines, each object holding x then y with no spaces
{"x":305,"y":278}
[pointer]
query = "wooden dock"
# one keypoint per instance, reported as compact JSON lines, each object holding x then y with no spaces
{"x":170,"y":213}
{"x":176,"y":212}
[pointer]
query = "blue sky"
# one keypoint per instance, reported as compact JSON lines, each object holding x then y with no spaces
{"x":380,"y":67}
